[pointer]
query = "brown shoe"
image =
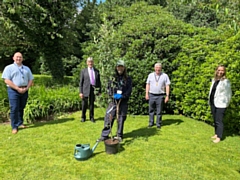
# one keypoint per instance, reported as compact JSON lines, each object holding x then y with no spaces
{"x":217,"y":140}
{"x":14,"y":131}
{"x":23,"y":126}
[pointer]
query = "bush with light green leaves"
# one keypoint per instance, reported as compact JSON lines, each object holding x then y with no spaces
{"x":196,"y":66}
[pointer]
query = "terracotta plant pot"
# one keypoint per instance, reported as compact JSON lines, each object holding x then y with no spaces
{"x":111,"y":146}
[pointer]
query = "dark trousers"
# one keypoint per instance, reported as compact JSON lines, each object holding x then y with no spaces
{"x":17,"y":103}
{"x":155,"y":102}
{"x":110,"y":116}
{"x":85,"y":100}
{"x":218,"y":114}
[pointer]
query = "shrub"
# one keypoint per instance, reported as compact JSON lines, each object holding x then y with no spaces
{"x":47,"y":81}
{"x":196,"y":66}
{"x":44,"y":102}
{"x":4,"y":104}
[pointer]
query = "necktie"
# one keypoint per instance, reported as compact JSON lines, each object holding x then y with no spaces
{"x":92,"y":77}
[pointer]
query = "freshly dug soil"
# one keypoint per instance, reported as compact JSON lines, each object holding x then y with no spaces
{"x":111,"y":141}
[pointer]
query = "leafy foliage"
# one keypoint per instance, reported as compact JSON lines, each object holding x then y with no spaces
{"x":153,"y":36}
{"x":4,"y":105}
{"x":44,"y":102}
{"x":45,"y":23}
{"x":196,"y":65}
{"x":205,"y":13}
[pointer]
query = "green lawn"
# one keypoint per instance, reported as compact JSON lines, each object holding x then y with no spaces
{"x":182,"y":149}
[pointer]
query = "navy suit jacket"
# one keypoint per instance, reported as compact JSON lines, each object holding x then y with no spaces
{"x":84,"y":85}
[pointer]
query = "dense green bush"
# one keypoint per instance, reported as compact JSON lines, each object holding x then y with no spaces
{"x":196,"y":66}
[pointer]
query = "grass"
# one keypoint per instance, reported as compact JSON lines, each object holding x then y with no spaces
{"x":182,"y":149}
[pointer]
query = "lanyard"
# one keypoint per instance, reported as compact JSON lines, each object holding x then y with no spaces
{"x":20,"y":70}
{"x":157,"y":79}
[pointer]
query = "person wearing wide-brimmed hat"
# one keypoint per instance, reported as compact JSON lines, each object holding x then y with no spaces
{"x":119,"y":89}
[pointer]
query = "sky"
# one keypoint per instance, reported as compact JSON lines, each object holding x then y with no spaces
{"x":100,"y":0}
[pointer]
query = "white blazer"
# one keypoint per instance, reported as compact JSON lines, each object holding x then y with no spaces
{"x":223,"y":93}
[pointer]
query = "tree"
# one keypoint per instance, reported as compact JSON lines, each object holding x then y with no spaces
{"x":11,"y":40}
{"x":207,"y":13}
{"x":45,"y":24}
{"x":141,"y":35}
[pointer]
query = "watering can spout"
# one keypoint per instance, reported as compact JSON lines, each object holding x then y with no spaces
{"x":94,"y":147}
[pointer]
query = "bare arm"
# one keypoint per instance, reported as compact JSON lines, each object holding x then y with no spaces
{"x":147,"y":91}
{"x":29,"y":84}
{"x":167,"y":93}
{"x":11,"y":84}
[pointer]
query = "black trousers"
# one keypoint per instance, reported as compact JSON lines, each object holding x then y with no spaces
{"x":218,"y":114}
{"x":90,"y":99}
{"x":110,"y":116}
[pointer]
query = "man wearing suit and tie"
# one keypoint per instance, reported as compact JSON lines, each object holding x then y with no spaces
{"x":89,"y":80}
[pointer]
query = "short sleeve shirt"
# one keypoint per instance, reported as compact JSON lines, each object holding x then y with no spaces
{"x":158,"y":83}
{"x":19,"y":75}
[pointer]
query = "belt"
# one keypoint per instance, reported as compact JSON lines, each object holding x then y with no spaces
{"x":22,"y":86}
{"x":162,"y":94}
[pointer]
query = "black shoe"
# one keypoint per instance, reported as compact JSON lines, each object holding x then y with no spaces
{"x":92,"y":119}
{"x":83,"y":120}
{"x":149,"y":126}
{"x":159,"y":127}
{"x":102,"y":139}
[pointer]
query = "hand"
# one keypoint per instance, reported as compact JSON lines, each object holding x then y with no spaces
{"x":117,"y":96}
{"x":166,"y":99}
{"x":146,"y":97}
{"x":21,"y":90}
{"x":81,"y":95}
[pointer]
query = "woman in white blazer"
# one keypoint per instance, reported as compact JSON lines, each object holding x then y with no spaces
{"x":219,"y":98}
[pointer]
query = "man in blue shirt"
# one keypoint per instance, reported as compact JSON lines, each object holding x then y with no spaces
{"x":18,"y":78}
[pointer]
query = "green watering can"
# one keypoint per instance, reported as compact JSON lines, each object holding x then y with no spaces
{"x":83,"y":151}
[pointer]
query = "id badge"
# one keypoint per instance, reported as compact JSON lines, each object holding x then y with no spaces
{"x":119,"y":92}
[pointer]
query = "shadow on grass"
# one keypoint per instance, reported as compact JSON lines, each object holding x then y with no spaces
{"x":39,"y":124}
{"x":142,"y":133}
{"x":99,"y":119}
{"x":145,"y":133}
{"x":227,"y":132}
{"x":168,"y":122}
